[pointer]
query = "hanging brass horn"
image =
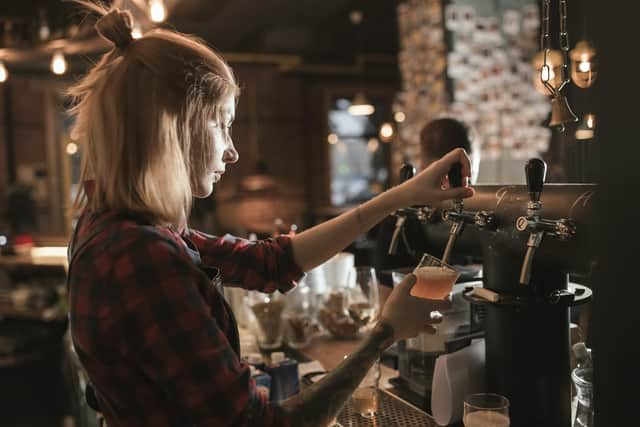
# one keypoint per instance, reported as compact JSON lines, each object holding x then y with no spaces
{"x":561,"y":113}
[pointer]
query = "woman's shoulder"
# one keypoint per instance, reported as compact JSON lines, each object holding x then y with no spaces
{"x":118,"y":232}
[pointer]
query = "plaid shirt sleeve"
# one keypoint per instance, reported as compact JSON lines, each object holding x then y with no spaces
{"x":263,"y":265}
{"x":171,"y":334}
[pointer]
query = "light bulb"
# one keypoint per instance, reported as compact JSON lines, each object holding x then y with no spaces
{"x":157,"y":11}
{"x":362,"y":110}
{"x":4,"y":73}
{"x":591,"y":121}
{"x":44,"y":32}
{"x":586,"y":128}
{"x":361,"y":106}
{"x":58,"y":63}
{"x":386,"y":132}
{"x":584,"y":64}
{"x":136,"y":32}
{"x":332,"y":138}
{"x":72,"y":148}
{"x":546,"y":74}
{"x":399,"y":116}
{"x":549,"y":73}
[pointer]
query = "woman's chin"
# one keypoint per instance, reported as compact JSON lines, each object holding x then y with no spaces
{"x":203,"y":191}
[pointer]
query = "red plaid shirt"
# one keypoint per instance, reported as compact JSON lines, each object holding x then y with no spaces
{"x":152,"y":330}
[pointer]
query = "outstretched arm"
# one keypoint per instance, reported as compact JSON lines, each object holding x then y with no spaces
{"x":403,"y":316}
{"x":314,"y":246}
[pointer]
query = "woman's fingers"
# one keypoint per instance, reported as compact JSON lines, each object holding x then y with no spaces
{"x":457,"y":193}
{"x":455,"y":156}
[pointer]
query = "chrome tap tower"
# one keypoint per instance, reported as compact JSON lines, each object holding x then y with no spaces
{"x":529,"y":238}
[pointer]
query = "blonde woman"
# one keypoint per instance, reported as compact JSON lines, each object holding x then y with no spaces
{"x":148,"y":320}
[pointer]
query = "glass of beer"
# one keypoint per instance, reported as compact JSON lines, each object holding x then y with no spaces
{"x":434,"y":278}
{"x":486,"y":410}
{"x":364,"y":399}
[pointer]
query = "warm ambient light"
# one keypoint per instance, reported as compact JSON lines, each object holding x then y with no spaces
{"x":386,"y":132}
{"x":586,"y":128}
{"x":399,"y":117}
{"x":373,"y":145}
{"x":4,"y":74}
{"x":157,"y":11}
{"x":332,"y":138}
{"x":58,"y":63}
{"x":584,"y":65}
{"x":552,"y":73}
{"x":591,"y":121}
{"x":136,"y":32}
{"x":360,"y":106}
{"x":72,"y":148}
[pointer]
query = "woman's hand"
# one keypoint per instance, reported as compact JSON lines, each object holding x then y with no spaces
{"x":409,"y":315}
{"x":429,"y":185}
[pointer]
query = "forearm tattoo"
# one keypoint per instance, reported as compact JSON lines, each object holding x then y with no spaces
{"x":319,"y":403}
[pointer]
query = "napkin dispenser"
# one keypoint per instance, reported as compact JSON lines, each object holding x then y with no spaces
{"x":455,"y":376}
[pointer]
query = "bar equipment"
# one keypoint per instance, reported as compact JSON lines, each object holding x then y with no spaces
{"x":529,"y":241}
{"x":425,"y":214}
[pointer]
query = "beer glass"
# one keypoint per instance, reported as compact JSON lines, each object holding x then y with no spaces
{"x":434,"y":278}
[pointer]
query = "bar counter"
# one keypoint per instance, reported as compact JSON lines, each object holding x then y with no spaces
{"x":394,"y":408}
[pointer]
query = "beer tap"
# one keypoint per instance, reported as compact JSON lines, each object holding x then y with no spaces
{"x":563,"y":229}
{"x":459,"y":217}
{"x":423,"y":213}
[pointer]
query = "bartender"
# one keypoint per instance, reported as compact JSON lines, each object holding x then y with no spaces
{"x":437,"y":138}
{"x":149,"y":322}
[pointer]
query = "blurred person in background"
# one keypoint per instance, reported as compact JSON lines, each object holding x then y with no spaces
{"x":437,"y":138}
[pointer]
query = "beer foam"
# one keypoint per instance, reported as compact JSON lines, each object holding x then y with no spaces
{"x":431,"y":272}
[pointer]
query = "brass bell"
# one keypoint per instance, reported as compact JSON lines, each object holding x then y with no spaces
{"x":561,"y":111}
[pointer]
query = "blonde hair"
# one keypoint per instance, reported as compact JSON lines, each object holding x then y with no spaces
{"x":142,"y":113}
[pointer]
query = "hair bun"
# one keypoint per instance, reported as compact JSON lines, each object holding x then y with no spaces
{"x":116,"y":27}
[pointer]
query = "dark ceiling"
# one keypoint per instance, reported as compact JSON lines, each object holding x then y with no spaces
{"x":319,"y":30}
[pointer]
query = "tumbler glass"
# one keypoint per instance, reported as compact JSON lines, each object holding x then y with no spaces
{"x":486,"y":410}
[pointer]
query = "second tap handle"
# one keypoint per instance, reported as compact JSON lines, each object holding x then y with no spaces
{"x":407,"y":172}
{"x":536,"y":172}
{"x":455,"y":175}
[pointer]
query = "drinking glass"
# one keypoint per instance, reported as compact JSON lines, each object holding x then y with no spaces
{"x":364,"y":399}
{"x":363,"y":306}
{"x":583,"y":380}
{"x":434,"y":278}
{"x":486,"y":410}
{"x":266,"y":318}
{"x":363,"y":301}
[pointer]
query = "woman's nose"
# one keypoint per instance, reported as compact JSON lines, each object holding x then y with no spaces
{"x":230,"y":154}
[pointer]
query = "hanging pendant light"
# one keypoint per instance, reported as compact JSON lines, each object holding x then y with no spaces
{"x":4,"y":73}
{"x":584,"y":67}
{"x":552,"y":73}
{"x":361,"y":106}
{"x":58,"y":63}
{"x":157,"y":11}
{"x":587,"y":127}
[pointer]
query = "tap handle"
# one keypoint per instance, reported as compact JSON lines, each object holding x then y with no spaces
{"x":536,"y":172}
{"x":455,"y":175}
{"x":407,"y":172}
